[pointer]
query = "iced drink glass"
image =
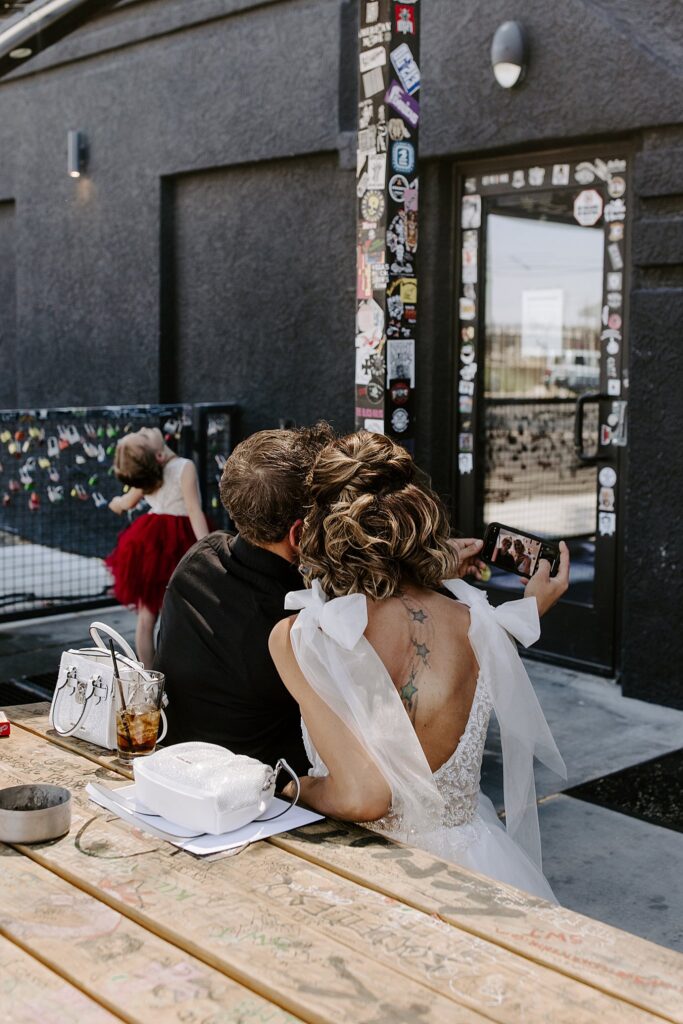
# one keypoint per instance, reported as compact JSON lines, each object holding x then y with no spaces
{"x":138,"y":713}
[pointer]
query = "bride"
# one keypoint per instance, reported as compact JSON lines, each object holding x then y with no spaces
{"x":396,"y":680}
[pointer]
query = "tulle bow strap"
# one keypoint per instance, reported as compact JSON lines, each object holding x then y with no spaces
{"x":344,"y":618}
{"x":346,"y":672}
{"x":524,"y":732}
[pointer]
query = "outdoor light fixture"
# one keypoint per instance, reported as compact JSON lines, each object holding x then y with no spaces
{"x":76,"y":154}
{"x":509,"y":54}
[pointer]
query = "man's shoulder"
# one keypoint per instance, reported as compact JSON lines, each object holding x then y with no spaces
{"x":210,"y":554}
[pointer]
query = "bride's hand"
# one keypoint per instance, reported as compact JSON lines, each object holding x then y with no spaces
{"x":549,"y":589}
{"x":467,"y":549}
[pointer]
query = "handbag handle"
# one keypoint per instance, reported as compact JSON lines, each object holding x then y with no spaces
{"x":72,"y":729}
{"x":283,"y":766}
{"x":97,"y":627}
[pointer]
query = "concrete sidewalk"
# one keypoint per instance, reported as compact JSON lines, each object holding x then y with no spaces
{"x":601,"y":863}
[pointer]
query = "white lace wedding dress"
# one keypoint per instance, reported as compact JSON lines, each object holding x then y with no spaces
{"x":443,"y":812}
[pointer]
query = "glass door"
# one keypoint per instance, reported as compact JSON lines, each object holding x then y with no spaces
{"x":541,"y":392}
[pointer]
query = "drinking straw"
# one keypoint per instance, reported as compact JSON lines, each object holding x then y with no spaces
{"x":123,"y":699}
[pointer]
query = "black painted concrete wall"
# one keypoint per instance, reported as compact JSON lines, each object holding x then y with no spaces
{"x":223,"y":127}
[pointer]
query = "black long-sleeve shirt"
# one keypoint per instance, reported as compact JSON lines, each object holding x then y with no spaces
{"x":221,"y":604}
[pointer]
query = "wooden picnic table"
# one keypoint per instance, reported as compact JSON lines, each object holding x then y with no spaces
{"x":327,"y":924}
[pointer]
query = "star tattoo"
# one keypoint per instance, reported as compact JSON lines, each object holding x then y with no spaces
{"x":422,"y":651}
{"x":418,"y":616}
{"x":408,"y":692}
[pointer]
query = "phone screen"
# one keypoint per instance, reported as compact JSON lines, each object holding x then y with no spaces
{"x":517,"y":552}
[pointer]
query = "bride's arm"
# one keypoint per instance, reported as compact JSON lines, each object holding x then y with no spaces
{"x":354,"y":789}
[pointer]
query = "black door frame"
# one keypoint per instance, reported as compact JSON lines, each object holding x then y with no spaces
{"x":568,"y":620}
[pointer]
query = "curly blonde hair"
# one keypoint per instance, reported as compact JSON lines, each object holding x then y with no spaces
{"x":370,"y":527}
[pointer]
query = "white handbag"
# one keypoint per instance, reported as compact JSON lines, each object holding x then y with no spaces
{"x":206,"y":787}
{"x":84,"y":703}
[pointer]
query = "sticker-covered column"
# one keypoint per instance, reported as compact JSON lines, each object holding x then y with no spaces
{"x":387,"y":218}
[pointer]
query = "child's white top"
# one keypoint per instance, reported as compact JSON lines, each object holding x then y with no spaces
{"x":168,"y":499}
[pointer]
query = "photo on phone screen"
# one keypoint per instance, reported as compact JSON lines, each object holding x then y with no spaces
{"x":513,"y":551}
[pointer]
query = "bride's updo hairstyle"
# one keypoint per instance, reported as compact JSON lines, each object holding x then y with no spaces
{"x":369,"y":525}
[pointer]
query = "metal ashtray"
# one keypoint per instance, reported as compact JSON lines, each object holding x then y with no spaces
{"x":34,"y":814}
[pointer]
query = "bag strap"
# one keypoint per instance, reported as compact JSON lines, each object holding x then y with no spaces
{"x":101,"y":627}
{"x":72,"y":729}
{"x":283,"y":766}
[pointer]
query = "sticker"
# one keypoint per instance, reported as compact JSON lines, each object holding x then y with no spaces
{"x":465,"y":442}
{"x":615,"y":257}
{"x":401,"y":359}
{"x":470,"y":215}
{"x":397,"y":186}
{"x":362,"y":186}
{"x":406,"y":68}
{"x":379,"y":275}
{"x":614,"y":388}
{"x":369,"y":324}
{"x":372,"y":205}
{"x":615,"y":210}
{"x":607,"y":476}
{"x":397,"y":130}
{"x":588,"y":208}
{"x":616,"y":187}
{"x":468,"y":371}
{"x":469,"y":291}
{"x":469,"y":266}
{"x":536,"y":175}
{"x":404,"y":104}
{"x":405,"y":19}
{"x":367,"y":139}
{"x":371,"y":59}
{"x":373,"y":426}
{"x":403,"y":157}
{"x":518,"y":179}
{"x":614,"y":322}
{"x":584,"y":173}
{"x":410,"y":197}
{"x":374,"y":34}
{"x":465,"y":404}
{"x":400,"y":420}
{"x":616,"y":232}
{"x":408,"y":289}
{"x":606,"y":499}
{"x":612,"y":347}
{"x":470,"y":240}
{"x":377,"y":170}
{"x":465,"y":463}
{"x":400,"y":392}
{"x":470,"y":185}
{"x":560,"y":174}
{"x":495,"y":179}
{"x":467,"y":333}
{"x":373,"y":82}
{"x":466,"y":387}
{"x":467,"y":309}
{"x":615,"y":280}
{"x":467,"y":353}
{"x":614,"y":299}
{"x":607,"y":524}
{"x":371,"y":11}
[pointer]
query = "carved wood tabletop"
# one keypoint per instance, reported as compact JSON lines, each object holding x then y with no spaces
{"x":326,"y":924}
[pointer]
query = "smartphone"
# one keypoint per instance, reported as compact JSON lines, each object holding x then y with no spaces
{"x":518,"y":552}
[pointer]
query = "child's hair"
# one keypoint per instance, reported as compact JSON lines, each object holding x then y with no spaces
{"x":370,"y":524}
{"x":137,"y":466}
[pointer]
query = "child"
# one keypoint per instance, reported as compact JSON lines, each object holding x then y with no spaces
{"x":149,"y":549}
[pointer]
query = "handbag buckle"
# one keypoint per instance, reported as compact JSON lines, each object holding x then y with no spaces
{"x":80,"y":694}
{"x":99,"y":689}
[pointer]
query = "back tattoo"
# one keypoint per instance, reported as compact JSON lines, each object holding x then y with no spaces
{"x":421,"y":634}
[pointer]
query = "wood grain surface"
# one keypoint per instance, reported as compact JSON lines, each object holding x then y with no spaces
{"x":32,"y":993}
{"x":400,"y":914}
{"x":121,"y":965}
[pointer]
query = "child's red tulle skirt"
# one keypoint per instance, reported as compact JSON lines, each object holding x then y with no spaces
{"x":145,"y":556}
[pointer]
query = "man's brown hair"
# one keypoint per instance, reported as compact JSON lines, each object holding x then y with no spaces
{"x":263,"y":486}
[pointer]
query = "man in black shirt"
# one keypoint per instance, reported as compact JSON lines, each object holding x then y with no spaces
{"x":226,"y":595}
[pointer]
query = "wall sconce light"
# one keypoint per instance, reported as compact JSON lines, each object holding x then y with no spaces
{"x":509,"y":54}
{"x":76,"y":154}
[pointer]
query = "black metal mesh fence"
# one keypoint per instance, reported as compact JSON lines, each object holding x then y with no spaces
{"x":56,"y":481}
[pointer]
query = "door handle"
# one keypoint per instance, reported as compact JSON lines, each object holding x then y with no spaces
{"x":581,"y":402}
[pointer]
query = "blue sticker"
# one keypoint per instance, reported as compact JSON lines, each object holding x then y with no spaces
{"x":403,"y":157}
